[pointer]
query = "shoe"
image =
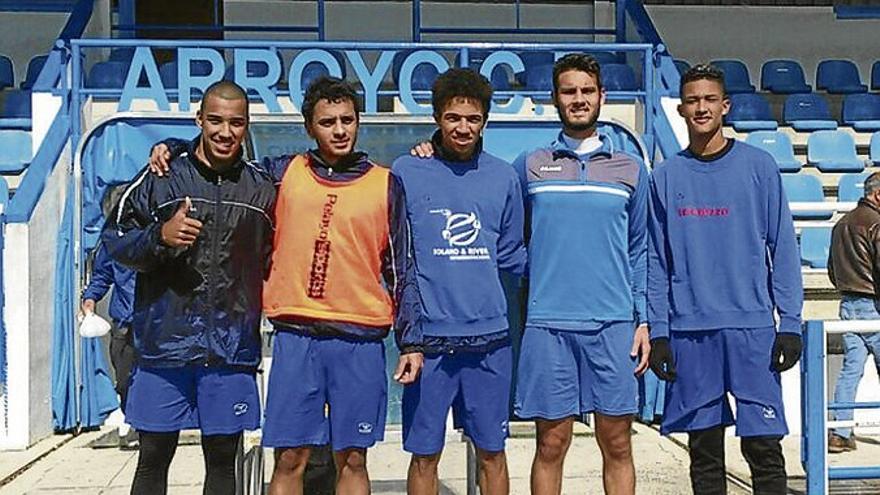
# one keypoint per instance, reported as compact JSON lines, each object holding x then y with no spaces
{"x":838,"y":444}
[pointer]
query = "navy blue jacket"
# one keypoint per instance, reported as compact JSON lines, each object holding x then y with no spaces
{"x":106,"y":273}
{"x":199,"y":305}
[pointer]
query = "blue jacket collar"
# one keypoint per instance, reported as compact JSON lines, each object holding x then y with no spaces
{"x":560,"y":148}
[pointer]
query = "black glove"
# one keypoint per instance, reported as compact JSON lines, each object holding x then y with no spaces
{"x":661,"y":360}
{"x":788,"y":347}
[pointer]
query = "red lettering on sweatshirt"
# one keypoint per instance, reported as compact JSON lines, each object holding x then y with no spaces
{"x":690,"y":211}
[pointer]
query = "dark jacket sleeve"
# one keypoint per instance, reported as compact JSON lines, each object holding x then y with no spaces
{"x":133,"y":231}
{"x":831,"y":276}
{"x":399,"y":271}
{"x":101,"y":276}
{"x":176,"y":146}
{"x":276,"y":166}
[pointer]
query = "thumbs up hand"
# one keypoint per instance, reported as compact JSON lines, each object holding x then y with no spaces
{"x":180,"y":230}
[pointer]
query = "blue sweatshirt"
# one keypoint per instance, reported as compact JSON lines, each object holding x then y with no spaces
{"x":467,"y":223}
{"x":588,"y":241}
{"x":108,"y":273}
{"x":723,"y":250}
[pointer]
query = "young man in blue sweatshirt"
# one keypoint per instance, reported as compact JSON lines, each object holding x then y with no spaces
{"x":466,"y":213}
{"x":585,"y":325}
{"x":723,"y":259}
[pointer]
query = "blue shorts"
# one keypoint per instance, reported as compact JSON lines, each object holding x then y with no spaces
{"x":565,"y":373}
{"x":325,"y":390}
{"x":216,"y":400}
{"x":476,"y":385}
{"x":712,"y":363}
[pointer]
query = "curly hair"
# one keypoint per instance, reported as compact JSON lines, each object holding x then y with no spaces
{"x":460,"y":83}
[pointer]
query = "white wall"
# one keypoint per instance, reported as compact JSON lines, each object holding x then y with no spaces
{"x":757,"y":34}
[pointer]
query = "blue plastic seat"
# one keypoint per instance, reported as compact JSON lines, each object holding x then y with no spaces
{"x":123,"y":54}
{"x":736,"y":76}
{"x":7,"y":73}
{"x":803,"y":188}
{"x":16,"y":111}
{"x":750,"y":112}
{"x":815,"y":246}
{"x":198,"y":68}
{"x":17,"y":151}
{"x":619,"y":77}
{"x":833,"y":151}
{"x":851,"y":187}
{"x":808,"y":112}
{"x":682,"y":66}
{"x":605,"y":58}
{"x":862,"y":112}
{"x":839,"y":77}
{"x":538,"y":75}
{"x":783,"y":77}
{"x":107,"y":75}
{"x":875,"y":76}
{"x":874,"y":153}
{"x":35,"y":65}
{"x":778,"y":145}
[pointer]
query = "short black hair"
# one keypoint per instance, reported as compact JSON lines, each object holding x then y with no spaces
{"x":112,"y":194}
{"x":580,"y":62}
{"x":703,"y":71}
{"x":460,"y":83}
{"x":331,"y":89}
{"x":228,"y":90}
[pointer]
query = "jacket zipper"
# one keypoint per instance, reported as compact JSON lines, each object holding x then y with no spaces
{"x":214,"y":263}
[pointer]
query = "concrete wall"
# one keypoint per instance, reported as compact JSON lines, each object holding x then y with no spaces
{"x":28,"y":34}
{"x":757,"y":34}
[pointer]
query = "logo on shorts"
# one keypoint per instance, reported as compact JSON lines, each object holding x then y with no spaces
{"x":365,"y":428}
{"x":769,"y":412}
{"x":239,"y":408}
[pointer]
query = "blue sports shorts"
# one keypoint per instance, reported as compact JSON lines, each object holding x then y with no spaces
{"x":325,"y":390}
{"x":476,"y":385}
{"x":709,"y":365}
{"x":216,"y":400}
{"x":563,"y":373}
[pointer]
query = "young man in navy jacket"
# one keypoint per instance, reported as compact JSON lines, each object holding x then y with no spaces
{"x":723,"y":260}
{"x":466,"y":212}
{"x":199,"y":239}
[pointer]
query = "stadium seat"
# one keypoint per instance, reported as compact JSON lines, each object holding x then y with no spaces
{"x":839,"y":77}
{"x":736,"y":76}
{"x":538,"y":75}
{"x":815,"y":246}
{"x":779,"y":145}
{"x":17,"y":151}
{"x":16,"y":112}
{"x":875,"y":76}
{"x":682,"y":66}
{"x":851,"y":187}
{"x":605,"y":58}
{"x":833,"y":151}
{"x":874,"y":153}
{"x":7,"y":73}
{"x":783,"y":77}
{"x":803,"y":188}
{"x":619,"y":77}
{"x":35,"y":65}
{"x":808,"y":112}
{"x":750,"y":112}
{"x":121,"y":54}
{"x":862,"y":112}
{"x":107,"y":75}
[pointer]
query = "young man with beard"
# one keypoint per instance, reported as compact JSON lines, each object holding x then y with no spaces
{"x":467,"y":218}
{"x":199,"y":240}
{"x":585,"y":339}
{"x":341,"y":231}
{"x":723,"y":260}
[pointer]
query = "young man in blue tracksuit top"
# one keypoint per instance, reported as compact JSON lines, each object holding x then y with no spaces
{"x":723,"y":259}
{"x":585,"y":326}
{"x":466,"y":215}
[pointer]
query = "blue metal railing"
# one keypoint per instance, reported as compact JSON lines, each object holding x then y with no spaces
{"x":815,"y":406}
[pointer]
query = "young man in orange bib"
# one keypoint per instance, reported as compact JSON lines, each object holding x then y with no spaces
{"x":341,"y":276}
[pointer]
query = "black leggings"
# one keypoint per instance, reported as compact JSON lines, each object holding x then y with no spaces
{"x":157,"y":451}
{"x":763,"y":455}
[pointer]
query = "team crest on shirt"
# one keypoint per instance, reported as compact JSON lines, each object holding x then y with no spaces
{"x":460,"y":231}
{"x":768,"y":412}
{"x":365,"y":428}
{"x":239,"y":408}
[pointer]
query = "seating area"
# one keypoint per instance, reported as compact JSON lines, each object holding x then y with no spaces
{"x":15,"y":121}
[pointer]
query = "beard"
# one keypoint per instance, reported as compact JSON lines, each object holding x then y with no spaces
{"x":577,"y":126}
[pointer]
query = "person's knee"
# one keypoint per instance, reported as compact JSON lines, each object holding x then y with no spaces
{"x":762,"y":451}
{"x":492,"y":461}
{"x":553,"y":445}
{"x":291,"y":461}
{"x":425,"y":464}
{"x":220,"y":450}
{"x":352,"y":460}
{"x":616,"y":447}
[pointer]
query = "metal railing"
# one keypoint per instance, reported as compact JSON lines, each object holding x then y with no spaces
{"x":815,"y":407}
